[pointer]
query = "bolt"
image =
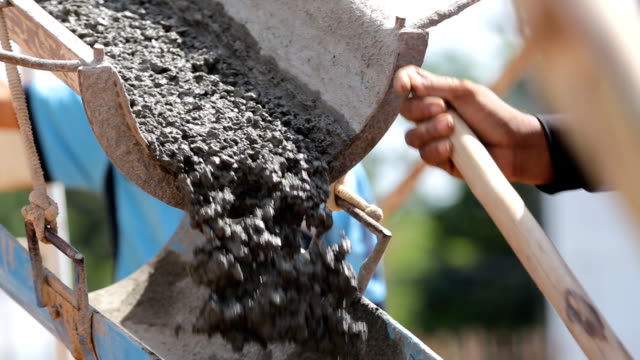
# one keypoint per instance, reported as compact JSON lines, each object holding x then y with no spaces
{"x":98,"y":54}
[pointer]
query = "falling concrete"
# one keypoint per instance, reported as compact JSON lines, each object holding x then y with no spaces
{"x":251,"y":148}
{"x":156,"y":303}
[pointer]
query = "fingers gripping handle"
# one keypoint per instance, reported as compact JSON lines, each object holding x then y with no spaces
{"x":529,"y":242}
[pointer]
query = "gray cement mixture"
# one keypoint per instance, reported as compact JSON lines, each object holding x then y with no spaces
{"x":250,"y":147}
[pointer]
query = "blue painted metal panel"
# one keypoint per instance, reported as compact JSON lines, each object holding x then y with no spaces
{"x":111,"y":342}
{"x":411,"y":345}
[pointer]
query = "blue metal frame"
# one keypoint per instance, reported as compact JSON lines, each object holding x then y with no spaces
{"x":111,"y":342}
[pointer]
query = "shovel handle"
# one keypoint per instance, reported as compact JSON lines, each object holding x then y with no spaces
{"x":532,"y":246}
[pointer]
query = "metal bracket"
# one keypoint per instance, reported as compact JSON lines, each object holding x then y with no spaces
{"x":69,"y":309}
{"x":368,"y":267}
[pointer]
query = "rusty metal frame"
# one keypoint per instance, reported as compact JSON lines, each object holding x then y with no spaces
{"x":69,"y":309}
{"x":368,"y":267}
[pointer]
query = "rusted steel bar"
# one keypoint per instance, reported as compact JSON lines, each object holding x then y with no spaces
{"x":53,"y":294}
{"x":64,"y":247}
{"x":39,"y":64}
{"x":80,"y":291}
{"x":82,"y":299}
{"x":37,"y":269}
{"x":368,"y":267}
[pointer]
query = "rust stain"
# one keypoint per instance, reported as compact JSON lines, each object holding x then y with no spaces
{"x":582,"y":312}
{"x":64,"y":313}
{"x":39,"y":42}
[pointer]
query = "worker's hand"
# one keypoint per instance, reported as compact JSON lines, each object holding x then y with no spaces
{"x":515,"y":140}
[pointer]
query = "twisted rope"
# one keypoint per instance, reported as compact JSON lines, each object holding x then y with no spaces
{"x":42,"y":210}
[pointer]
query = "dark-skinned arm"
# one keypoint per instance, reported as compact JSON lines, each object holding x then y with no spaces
{"x":526,"y":148}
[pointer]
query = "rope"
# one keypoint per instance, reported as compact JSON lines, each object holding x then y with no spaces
{"x":42,"y":210}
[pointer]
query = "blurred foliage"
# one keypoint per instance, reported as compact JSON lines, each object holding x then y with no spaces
{"x":453,"y":269}
{"x":10,"y":216}
{"x":91,"y":234}
{"x":88,"y":228}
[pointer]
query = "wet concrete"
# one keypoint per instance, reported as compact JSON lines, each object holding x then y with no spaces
{"x":250,"y":148}
{"x":152,"y":301}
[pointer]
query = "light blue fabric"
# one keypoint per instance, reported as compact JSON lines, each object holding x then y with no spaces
{"x":144,"y":224}
{"x":73,"y":156}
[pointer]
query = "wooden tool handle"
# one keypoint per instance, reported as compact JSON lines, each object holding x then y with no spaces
{"x":529,"y":242}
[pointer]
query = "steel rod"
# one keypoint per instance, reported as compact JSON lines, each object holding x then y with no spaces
{"x":64,"y":247}
{"x":37,"y":269}
{"x":39,"y":64}
{"x":368,"y":267}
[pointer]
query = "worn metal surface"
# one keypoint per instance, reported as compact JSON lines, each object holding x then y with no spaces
{"x":345,"y":50}
{"x":39,"y":64}
{"x":69,"y":308}
{"x":16,"y":279}
{"x":39,"y":34}
{"x":107,"y":108}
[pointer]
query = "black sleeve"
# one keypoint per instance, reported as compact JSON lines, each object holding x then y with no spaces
{"x":567,"y":174}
